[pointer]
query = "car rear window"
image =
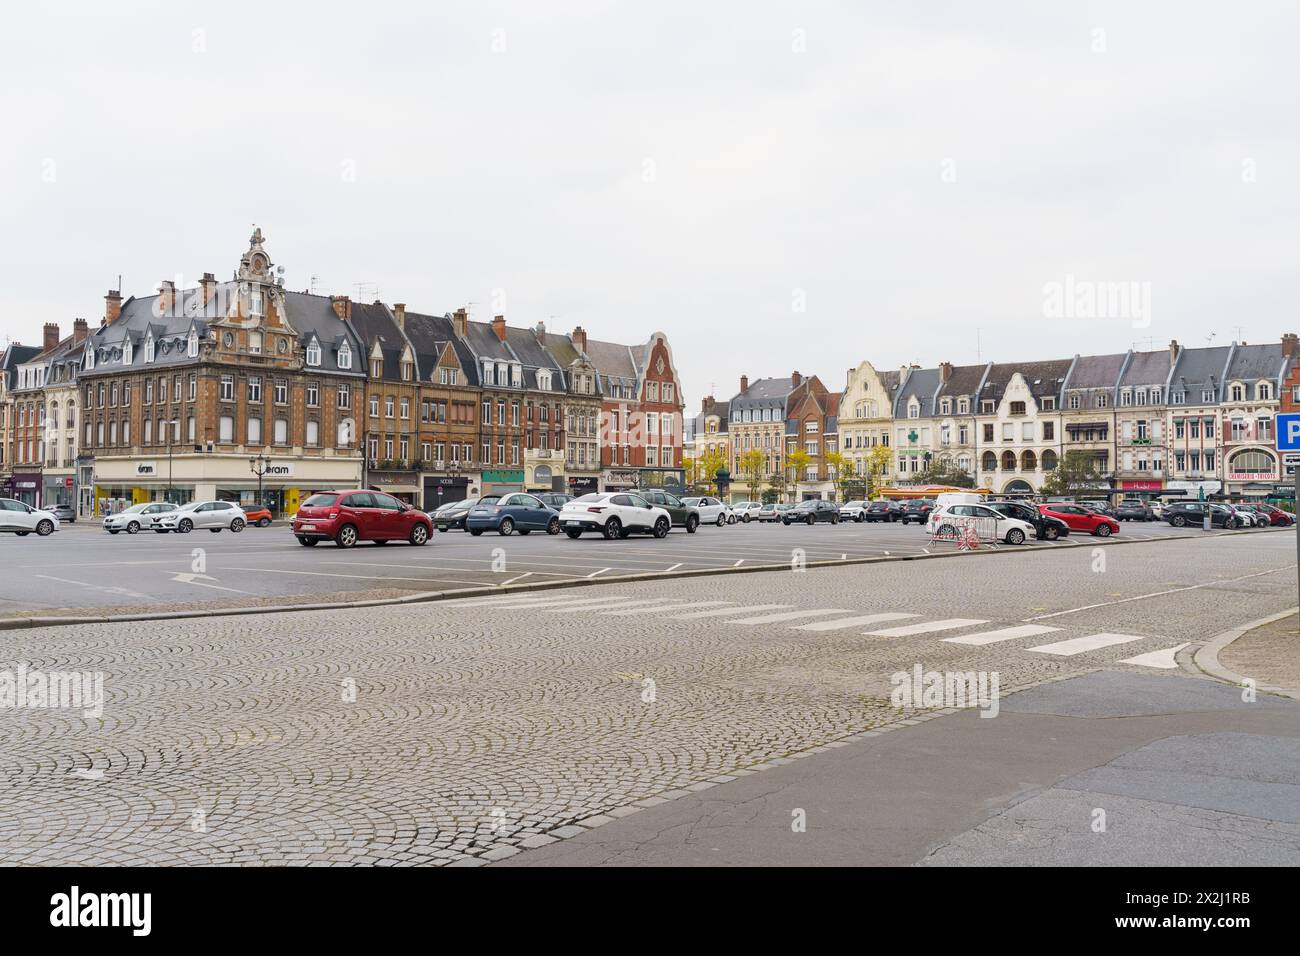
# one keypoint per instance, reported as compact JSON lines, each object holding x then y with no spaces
{"x":320,"y":501}
{"x":591,"y":498}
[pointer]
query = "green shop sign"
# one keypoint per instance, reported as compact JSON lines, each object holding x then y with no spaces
{"x":503,"y":477}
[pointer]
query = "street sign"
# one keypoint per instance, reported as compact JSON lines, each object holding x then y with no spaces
{"x":1288,"y":431}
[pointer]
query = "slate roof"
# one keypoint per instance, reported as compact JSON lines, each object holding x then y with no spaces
{"x":1150,"y":368}
{"x":613,"y":362}
{"x":1043,"y":378}
{"x":1199,"y":368}
{"x":922,"y":383}
{"x":963,"y":382}
{"x":1253,"y":363}
{"x":428,"y":335}
{"x":1096,"y":371}
{"x":375,"y":323}
{"x":763,"y":393}
{"x":523,"y":343}
{"x":14,"y":356}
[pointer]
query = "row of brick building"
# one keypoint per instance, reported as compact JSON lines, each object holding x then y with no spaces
{"x":231,"y":386}
{"x":1174,"y":421}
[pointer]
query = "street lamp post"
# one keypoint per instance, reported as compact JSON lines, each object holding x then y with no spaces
{"x":171,"y":426}
{"x":259,"y":466}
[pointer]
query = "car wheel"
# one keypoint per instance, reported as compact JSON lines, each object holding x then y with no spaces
{"x":835,"y":519}
{"x":347,"y":536}
{"x":860,"y":518}
{"x":811,"y":520}
{"x":722,"y":520}
{"x":419,"y":535}
{"x":613,"y":529}
{"x":46,"y":526}
{"x":1051,"y":533}
{"x":947,"y":531}
{"x":476,"y":531}
{"x":692,"y":522}
{"x":263,"y":522}
{"x":506,"y":527}
{"x":574,"y":533}
{"x":662,"y":526}
{"x":132,"y":528}
{"x":185,"y":526}
{"x":237,"y":525}
{"x":1178,"y":521}
{"x":553,"y":526}
{"x":1103,"y":531}
{"x":746,"y":518}
{"x":1015,"y":536}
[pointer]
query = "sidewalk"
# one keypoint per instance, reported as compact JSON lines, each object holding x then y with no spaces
{"x":1270,"y":654}
{"x":1108,"y":769}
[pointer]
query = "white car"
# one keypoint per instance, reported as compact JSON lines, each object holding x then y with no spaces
{"x":949,"y":518}
{"x":615,"y":514}
{"x":136,"y":517}
{"x":213,"y":515}
{"x":746,"y":510}
{"x":854,"y":511}
{"x":23,"y":519}
{"x":712,"y":510}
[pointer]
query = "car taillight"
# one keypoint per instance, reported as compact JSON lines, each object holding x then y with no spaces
{"x":595,"y":510}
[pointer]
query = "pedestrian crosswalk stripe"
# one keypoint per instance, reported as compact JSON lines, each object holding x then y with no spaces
{"x":786,"y":616}
{"x":602,"y":605}
{"x":1091,"y":642}
{"x":1166,"y":659}
{"x":851,"y":622}
{"x":1002,"y":634}
{"x":672,"y":607}
{"x":527,"y":602}
{"x":695,"y":616}
{"x":908,"y":630}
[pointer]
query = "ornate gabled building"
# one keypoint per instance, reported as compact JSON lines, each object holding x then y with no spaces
{"x":582,"y":410}
{"x":811,"y":426}
{"x":186,"y":391}
{"x":866,"y":417}
{"x":21,"y":427}
{"x":1019,"y":420}
{"x":955,"y":404}
{"x":1250,"y":401}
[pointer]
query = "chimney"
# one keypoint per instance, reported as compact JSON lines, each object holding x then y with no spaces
{"x":1290,"y":341}
{"x":499,"y":326}
{"x":744,"y":384}
{"x":945,"y":371}
{"x":399,"y":315}
{"x":795,"y":379}
{"x":342,"y":306}
{"x":579,"y":338}
{"x":1173,"y":352}
{"x":51,"y":336}
{"x":706,"y":403}
{"x":209,"y":286}
{"x":461,"y":323}
{"x":80,"y":329}
{"x":112,"y":306}
{"x":541,"y":328}
{"x":166,"y":297}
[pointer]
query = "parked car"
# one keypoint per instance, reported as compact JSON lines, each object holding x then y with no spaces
{"x":883,"y":511}
{"x":1276,"y":517}
{"x":22,"y":519}
{"x":1192,"y":513}
{"x":346,"y":517}
{"x":746,"y":511}
{"x":554,"y":499}
{"x":918,"y":510}
{"x":216,"y":516}
{"x":137,"y":517}
{"x":811,"y":512}
{"x":1097,"y":506}
{"x":63,"y":512}
{"x":615,"y":515}
{"x":854,"y":510}
{"x":452,"y":514}
{"x":1080,"y":518}
{"x":712,"y":510}
{"x":946,"y":520}
{"x":259,"y":515}
{"x":1046,"y":528}
{"x":682,"y":515}
{"x":772,"y":511}
{"x":520,"y":512}
{"x":1134,"y":509}
{"x":1245,"y":517}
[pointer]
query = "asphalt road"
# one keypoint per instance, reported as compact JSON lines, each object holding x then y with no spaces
{"x":82,"y":567}
{"x":469,"y":731}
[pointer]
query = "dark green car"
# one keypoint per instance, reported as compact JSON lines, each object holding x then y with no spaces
{"x":682,"y":514}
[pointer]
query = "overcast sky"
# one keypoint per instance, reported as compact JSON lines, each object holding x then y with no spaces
{"x":775,"y":185}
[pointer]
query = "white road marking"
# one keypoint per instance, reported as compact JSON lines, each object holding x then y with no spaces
{"x":675,"y":607}
{"x":594,"y":573}
{"x":524,"y":603}
{"x":603,"y":603}
{"x":1092,"y":642}
{"x":739,"y":563}
{"x":364,"y":577}
{"x":1165,"y":659}
{"x":518,"y":577}
{"x":788,"y":615}
{"x":673,"y":568}
{"x":725,"y":611}
{"x":1143,"y":597}
{"x":851,"y":622}
{"x":187,"y":577}
{"x":124,"y":592}
{"x":1003,"y":634}
{"x":89,"y":773}
{"x":908,"y":630}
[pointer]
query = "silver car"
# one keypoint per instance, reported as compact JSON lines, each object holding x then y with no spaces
{"x":136,"y":517}
{"x":213,"y":515}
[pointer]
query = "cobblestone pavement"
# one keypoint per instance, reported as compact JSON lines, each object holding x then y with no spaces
{"x":482,"y":726}
{"x":1270,"y":654}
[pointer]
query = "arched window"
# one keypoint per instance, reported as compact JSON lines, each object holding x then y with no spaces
{"x":1008,"y":461}
{"x":1049,"y":460}
{"x":1252,"y":463}
{"x":989,"y":462}
{"x":1028,"y":461}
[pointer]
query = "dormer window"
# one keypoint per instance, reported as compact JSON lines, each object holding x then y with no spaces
{"x":345,"y":356}
{"x":148,"y":348}
{"x":255,"y":302}
{"x":90,"y":359}
{"x":544,"y":379}
{"x":192,"y":345}
{"x":488,"y":377}
{"x":127,"y":349}
{"x":1263,"y":391}
{"x":1238,"y":393}
{"x":313,"y":353}
{"x":914,"y":409}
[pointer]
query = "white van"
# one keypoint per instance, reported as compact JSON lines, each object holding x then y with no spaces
{"x":957,"y":498}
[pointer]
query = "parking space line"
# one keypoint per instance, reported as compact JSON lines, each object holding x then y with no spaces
{"x":697,"y":615}
{"x":908,"y":630}
{"x":852,"y":621}
{"x":1091,"y":642}
{"x":363,"y":577}
{"x":595,"y":573}
{"x":1143,"y":597}
{"x":1002,"y":634}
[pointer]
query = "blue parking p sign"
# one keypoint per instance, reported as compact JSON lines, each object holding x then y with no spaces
{"x":1288,"y":432}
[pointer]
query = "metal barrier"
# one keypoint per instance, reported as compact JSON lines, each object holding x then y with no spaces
{"x":967,"y":533}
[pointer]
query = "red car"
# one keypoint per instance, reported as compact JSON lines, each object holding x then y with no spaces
{"x":258,"y":515}
{"x":346,"y":517}
{"x":1276,"y":516}
{"x":1079,"y":518}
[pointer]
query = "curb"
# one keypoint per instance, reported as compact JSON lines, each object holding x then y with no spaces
{"x":1206,"y":658}
{"x":421,"y":597}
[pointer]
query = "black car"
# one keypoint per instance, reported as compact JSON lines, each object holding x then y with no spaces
{"x":682,"y":515}
{"x":810,"y":512}
{"x":1101,"y":507}
{"x":918,"y":510}
{"x":883,"y":511}
{"x":452,"y":515}
{"x":1046,"y":528}
{"x":1134,"y":510}
{"x":1182,"y":514}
